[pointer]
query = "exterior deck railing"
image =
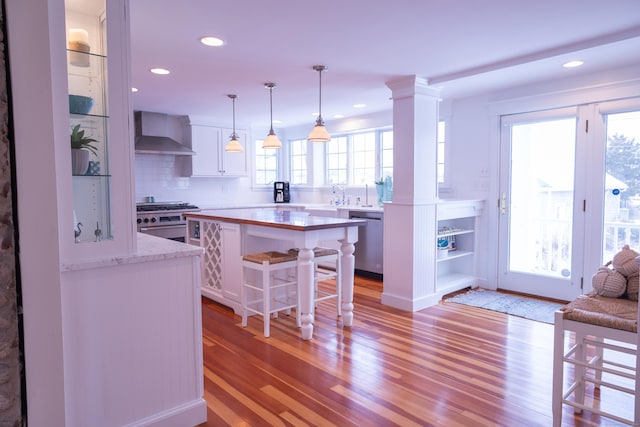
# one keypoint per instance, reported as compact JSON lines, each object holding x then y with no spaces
{"x":553,"y":249}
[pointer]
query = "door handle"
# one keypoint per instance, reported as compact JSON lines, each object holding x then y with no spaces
{"x":503,"y":203}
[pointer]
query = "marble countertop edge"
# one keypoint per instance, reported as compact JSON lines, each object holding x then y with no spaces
{"x":150,"y":248}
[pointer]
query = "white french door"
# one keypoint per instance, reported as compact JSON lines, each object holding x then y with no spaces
{"x":565,"y":204}
{"x":539,"y":220}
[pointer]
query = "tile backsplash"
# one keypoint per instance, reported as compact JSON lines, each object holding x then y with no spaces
{"x":160,"y":176}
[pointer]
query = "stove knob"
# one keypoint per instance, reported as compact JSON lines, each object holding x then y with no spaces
{"x":139,"y":220}
{"x":146,"y":220}
{"x":153,"y":220}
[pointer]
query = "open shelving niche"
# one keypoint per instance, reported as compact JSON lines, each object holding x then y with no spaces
{"x":457,"y":221}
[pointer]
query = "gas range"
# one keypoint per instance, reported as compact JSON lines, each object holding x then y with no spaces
{"x":165,"y":206}
{"x":163,"y":219}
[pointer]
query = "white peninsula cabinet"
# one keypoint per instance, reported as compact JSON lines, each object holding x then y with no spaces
{"x":113,"y":328}
{"x":222,"y":260}
{"x":456,"y":244}
{"x":210,"y":159}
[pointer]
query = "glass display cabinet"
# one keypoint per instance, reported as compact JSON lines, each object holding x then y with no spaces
{"x":89,"y":120}
{"x":99,"y":130}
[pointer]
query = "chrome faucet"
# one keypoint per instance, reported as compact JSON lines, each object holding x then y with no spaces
{"x":336,"y":198}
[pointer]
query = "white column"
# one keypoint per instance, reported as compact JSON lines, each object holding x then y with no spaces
{"x":410,"y":219}
{"x":36,"y":37}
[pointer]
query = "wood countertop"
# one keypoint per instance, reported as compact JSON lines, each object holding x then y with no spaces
{"x":290,"y":220}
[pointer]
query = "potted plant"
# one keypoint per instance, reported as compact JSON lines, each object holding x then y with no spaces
{"x":81,"y":146}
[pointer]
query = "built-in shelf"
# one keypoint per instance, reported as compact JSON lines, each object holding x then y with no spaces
{"x":456,"y":229}
{"x":451,"y":255}
{"x":454,"y":232}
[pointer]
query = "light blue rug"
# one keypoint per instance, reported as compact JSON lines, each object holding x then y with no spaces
{"x":529,"y":308}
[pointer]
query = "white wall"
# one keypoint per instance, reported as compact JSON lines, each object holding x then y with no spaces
{"x":474,"y":137}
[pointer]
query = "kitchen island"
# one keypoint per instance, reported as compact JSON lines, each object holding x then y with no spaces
{"x":228,"y":234}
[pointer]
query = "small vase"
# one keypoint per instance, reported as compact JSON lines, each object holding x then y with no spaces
{"x":380,"y":191}
{"x":79,"y":161}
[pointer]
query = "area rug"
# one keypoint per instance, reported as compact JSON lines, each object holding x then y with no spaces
{"x":529,"y":308}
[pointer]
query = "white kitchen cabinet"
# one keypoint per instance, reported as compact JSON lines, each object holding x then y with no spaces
{"x":456,"y":244}
{"x":234,"y":164}
{"x":211,"y":160}
{"x":222,"y":261}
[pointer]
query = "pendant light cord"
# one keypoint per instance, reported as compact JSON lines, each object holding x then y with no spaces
{"x":234,"y":118}
{"x":320,"y":97}
{"x":271,"y":107}
{"x":319,"y":69}
{"x":233,"y":100}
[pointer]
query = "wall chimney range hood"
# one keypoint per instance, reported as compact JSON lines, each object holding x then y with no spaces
{"x":151,"y":130}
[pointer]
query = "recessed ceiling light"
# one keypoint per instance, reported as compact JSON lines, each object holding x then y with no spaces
{"x":338,"y":116}
{"x":277,"y":121}
{"x":134,"y":89}
{"x":212,"y":41}
{"x":161,"y":71}
{"x":359,"y":105}
{"x":572,"y":64}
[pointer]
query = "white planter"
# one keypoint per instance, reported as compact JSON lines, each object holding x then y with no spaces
{"x":79,"y":161}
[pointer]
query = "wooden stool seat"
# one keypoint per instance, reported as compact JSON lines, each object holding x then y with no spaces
{"x":272,"y":257}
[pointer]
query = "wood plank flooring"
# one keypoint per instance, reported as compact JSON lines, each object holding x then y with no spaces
{"x":448,"y":365}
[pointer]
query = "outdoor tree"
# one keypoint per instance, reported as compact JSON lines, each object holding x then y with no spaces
{"x":623,"y":163}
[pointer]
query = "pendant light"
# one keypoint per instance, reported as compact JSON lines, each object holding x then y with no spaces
{"x":271,"y":141}
{"x":233,"y":146}
{"x":319,"y":132}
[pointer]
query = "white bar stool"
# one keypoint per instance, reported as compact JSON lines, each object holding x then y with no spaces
{"x":272,"y":293}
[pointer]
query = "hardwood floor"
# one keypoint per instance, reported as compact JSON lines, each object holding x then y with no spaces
{"x":448,"y":365}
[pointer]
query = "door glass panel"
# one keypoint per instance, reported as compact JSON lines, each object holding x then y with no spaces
{"x":542,"y":193}
{"x":622,"y":184}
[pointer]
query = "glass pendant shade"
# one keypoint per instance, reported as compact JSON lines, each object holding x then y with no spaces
{"x":319,"y":133}
{"x":271,"y":141}
{"x":234,"y":146}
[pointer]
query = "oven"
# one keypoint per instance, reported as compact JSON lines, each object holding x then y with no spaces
{"x":164,"y":219}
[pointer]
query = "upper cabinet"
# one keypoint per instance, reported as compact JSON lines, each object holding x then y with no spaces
{"x":211,"y":160}
{"x":97,"y":49}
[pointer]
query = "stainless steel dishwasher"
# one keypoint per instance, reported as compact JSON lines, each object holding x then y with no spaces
{"x":369,"y":246}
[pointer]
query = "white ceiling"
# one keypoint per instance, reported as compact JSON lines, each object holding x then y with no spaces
{"x":465,"y":47}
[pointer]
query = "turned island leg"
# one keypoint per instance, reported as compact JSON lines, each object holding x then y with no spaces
{"x":347,"y":272}
{"x":305,"y":288}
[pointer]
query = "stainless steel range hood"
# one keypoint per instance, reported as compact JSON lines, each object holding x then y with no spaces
{"x":151,"y":136}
